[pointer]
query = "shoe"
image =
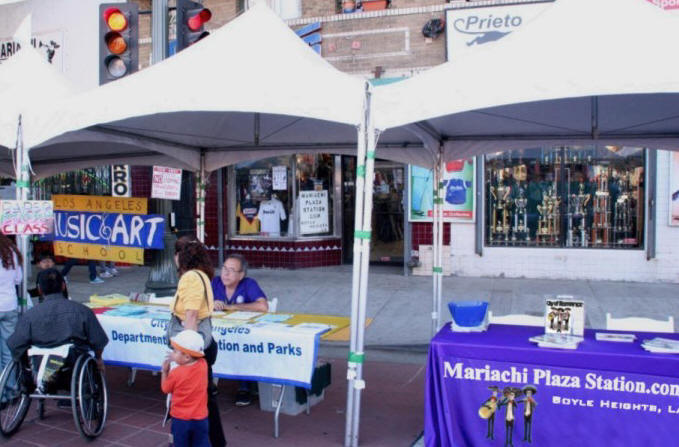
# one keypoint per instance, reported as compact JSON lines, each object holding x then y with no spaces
{"x":113,"y":271}
{"x":96,"y":281}
{"x":106,"y":275}
{"x":243,"y":399}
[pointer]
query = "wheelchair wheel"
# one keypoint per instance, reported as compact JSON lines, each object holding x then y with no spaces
{"x":89,"y":397}
{"x":14,"y":398}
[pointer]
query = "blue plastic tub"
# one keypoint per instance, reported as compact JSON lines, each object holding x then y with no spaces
{"x":468,"y":313}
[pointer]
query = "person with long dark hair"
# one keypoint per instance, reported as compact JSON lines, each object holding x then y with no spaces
{"x":192,"y":306}
{"x":10,"y":277}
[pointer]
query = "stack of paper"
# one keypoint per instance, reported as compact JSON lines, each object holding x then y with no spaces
{"x":661,"y":345}
{"x":610,"y":336}
{"x":560,"y":341}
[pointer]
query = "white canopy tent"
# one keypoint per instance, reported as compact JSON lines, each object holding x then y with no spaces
{"x":250,"y":90}
{"x":583,"y":73}
{"x":27,"y":81}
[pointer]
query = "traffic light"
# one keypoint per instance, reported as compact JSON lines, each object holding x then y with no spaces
{"x":118,"y":40}
{"x":191,"y":18}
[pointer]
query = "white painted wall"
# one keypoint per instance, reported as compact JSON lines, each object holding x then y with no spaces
{"x":595,"y":264}
{"x":75,"y":22}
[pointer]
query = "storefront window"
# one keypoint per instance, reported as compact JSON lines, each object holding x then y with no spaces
{"x":263,"y":199}
{"x":287,"y":196}
{"x":91,"y":181}
{"x":566,"y":197}
{"x":315,"y":194}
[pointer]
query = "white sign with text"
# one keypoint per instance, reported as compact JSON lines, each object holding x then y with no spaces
{"x":313,"y":212}
{"x":166,"y":183}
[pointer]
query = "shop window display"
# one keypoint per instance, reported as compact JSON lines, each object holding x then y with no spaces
{"x":315,"y":194}
{"x":576,"y":197}
{"x":271,"y":202}
{"x":263,"y":197}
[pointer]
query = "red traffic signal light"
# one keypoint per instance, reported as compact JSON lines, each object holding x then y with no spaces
{"x":196,"y":22}
{"x":191,"y":20}
{"x":118,"y":40}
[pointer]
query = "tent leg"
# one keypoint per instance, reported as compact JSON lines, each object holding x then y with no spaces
{"x":356,"y":272}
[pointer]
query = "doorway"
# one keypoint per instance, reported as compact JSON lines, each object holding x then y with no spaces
{"x":387,"y":214}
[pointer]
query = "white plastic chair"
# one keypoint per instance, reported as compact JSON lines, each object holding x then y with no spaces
{"x":516,"y":319}
{"x":639,"y":324}
{"x":273,"y":304}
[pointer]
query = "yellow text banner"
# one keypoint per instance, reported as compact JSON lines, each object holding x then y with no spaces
{"x":99,"y":252}
{"x":100,"y":204}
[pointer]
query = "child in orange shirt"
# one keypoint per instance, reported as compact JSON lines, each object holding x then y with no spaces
{"x":188,"y":385}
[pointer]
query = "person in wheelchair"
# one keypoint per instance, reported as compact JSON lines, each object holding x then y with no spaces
{"x":58,"y":321}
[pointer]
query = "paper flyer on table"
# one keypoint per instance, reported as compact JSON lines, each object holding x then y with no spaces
{"x":242,"y":315}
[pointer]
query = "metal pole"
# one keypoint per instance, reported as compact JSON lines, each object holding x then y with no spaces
{"x":359,"y":383}
{"x":434,"y":246}
{"x":439,"y":242}
{"x":163,"y":274}
{"x":22,"y":184}
{"x":201,"y":186}
{"x":354,"y":357}
{"x":220,"y":214}
{"x":159,"y":21}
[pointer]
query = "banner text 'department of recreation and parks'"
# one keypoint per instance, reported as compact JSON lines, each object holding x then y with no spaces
{"x":247,"y":352}
{"x":105,"y":228}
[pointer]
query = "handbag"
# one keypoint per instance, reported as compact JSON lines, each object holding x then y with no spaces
{"x":175,"y":325}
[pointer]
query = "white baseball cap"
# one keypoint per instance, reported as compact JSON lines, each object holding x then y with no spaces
{"x":189,"y":342}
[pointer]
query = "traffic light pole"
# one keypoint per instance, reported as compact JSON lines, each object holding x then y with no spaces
{"x":163,"y":275}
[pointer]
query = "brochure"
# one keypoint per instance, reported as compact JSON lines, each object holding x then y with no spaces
{"x":242,"y":315}
{"x":609,"y":336}
{"x":661,"y":345}
{"x":560,"y":341}
{"x":564,"y":315}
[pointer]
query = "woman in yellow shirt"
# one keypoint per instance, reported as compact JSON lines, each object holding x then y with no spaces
{"x":192,"y":303}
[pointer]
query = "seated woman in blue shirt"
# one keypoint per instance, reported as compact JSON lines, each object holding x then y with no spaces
{"x":233,"y":290}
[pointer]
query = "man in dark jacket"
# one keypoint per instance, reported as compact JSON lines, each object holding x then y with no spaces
{"x":57,"y":321}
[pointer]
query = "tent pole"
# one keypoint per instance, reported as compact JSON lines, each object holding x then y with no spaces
{"x":434,"y":245}
{"x":23,"y":184}
{"x":220,"y":214}
{"x":439,"y":284}
{"x":359,"y":383}
{"x":354,"y":358}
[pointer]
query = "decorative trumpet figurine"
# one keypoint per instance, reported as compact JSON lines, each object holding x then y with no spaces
{"x":549,"y":226}
{"x":577,"y":218}
{"x":520,"y":222}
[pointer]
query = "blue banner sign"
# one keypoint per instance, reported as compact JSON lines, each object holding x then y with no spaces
{"x":124,"y":230}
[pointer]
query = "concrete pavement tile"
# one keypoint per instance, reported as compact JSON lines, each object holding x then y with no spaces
{"x":145,"y":438}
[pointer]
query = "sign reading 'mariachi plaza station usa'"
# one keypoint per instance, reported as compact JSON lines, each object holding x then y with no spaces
{"x":105,"y":228}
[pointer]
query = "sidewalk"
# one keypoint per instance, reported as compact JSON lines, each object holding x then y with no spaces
{"x":401,"y":305}
{"x":392,"y":414}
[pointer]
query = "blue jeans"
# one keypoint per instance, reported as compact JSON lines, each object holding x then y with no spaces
{"x":8,"y":321}
{"x":190,"y":433}
{"x":91,"y":265}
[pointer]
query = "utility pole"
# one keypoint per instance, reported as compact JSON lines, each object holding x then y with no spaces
{"x":163,"y":275}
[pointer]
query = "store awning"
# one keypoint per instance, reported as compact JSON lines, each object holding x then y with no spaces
{"x":582,"y":73}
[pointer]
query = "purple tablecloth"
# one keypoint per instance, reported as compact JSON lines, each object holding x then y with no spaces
{"x":602,"y":394}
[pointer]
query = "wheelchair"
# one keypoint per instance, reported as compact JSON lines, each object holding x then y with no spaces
{"x":46,"y":376}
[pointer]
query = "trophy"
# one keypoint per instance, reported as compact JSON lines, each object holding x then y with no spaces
{"x":577,"y":218}
{"x":520,"y":222}
{"x":548,"y":222}
{"x":601,"y":210}
{"x":622,"y":223}
{"x":499,"y":206}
